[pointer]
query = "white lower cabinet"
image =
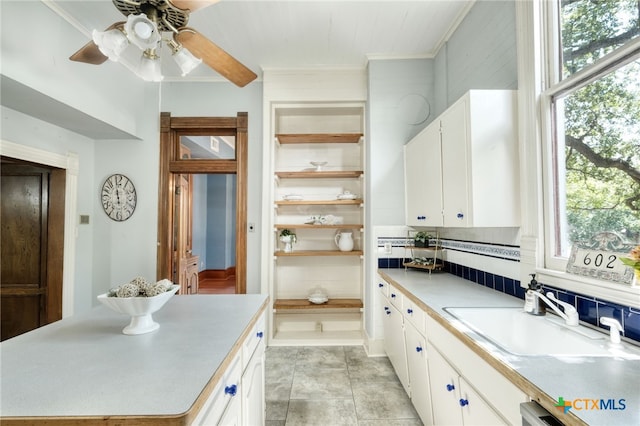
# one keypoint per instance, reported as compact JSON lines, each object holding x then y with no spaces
{"x":448,"y":383}
{"x":461,"y":379}
{"x":418,"y":373}
{"x":394,"y":344}
{"x":253,"y":398}
{"x":405,"y":345}
{"x":454,"y":401}
{"x":221,"y":404}
{"x":238,"y":398}
{"x":232,"y":415}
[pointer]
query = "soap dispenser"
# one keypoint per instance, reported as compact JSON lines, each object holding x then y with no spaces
{"x":533,"y":304}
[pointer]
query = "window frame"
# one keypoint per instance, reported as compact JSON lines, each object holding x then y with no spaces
{"x":549,"y":267}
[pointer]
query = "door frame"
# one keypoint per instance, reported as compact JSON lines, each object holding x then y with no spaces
{"x":171,"y":165}
{"x":71,"y":164}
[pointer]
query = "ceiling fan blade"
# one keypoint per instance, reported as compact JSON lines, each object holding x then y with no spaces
{"x":89,"y":53}
{"x":192,"y":5}
{"x":215,"y":57}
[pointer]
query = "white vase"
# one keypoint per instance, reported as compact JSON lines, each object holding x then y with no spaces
{"x":288,"y":243}
{"x":344,"y":241}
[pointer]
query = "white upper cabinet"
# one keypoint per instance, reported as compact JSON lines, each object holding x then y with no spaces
{"x":423,"y":178}
{"x":480,"y":160}
{"x":473,"y":145}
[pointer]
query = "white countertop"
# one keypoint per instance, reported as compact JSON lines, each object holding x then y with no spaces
{"x":569,"y":377}
{"x":85,"y":366}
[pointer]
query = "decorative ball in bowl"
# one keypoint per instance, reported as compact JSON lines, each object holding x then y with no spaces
{"x":139,"y":307}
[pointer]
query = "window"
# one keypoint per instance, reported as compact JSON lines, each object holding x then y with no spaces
{"x":594,"y":117}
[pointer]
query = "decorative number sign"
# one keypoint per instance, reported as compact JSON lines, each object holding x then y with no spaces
{"x":600,"y":258}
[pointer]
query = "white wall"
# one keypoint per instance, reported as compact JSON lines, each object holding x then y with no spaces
{"x":480,"y":54}
{"x":35,"y":52}
{"x":107,"y":253}
{"x":124,"y":250}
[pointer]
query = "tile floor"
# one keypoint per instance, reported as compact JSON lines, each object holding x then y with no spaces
{"x":333,"y":385}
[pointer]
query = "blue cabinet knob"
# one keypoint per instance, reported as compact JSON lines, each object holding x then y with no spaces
{"x":419,"y":349}
{"x":231,"y":390}
{"x":464,"y":402}
{"x":409,"y":311}
{"x":393,"y":296}
{"x":386,"y":308}
{"x":259,"y":334}
{"x":459,"y":215}
{"x":380,"y":285}
{"x":450,"y":387}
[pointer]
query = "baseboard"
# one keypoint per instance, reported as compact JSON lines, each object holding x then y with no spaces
{"x":217,"y":274}
{"x":374,"y":347}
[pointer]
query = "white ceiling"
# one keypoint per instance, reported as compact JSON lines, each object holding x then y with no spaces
{"x":268,"y":34}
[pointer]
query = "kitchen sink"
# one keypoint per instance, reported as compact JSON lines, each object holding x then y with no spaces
{"x":519,"y":333}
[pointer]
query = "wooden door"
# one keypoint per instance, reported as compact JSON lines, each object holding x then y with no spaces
{"x":32,"y":233}
{"x":183,"y":232}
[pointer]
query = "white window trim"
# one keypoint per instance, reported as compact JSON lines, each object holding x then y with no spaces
{"x":535,"y":134}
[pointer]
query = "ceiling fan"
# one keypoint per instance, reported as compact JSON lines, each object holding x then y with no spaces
{"x":146,"y":20}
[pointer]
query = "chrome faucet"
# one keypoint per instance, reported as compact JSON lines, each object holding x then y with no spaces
{"x":570,"y":314}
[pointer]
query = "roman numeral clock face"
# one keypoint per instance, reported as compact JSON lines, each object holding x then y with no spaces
{"x":118,"y":197}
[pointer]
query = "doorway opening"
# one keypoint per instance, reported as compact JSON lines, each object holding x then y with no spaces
{"x":32,"y":210}
{"x":202,"y":203}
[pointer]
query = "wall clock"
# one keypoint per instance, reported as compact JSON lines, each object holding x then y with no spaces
{"x":118,"y":197}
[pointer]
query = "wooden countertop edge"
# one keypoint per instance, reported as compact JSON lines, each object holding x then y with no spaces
{"x":534,"y":392}
{"x":185,"y":418}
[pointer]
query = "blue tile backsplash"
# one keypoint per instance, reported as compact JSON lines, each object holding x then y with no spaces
{"x":589,"y":308}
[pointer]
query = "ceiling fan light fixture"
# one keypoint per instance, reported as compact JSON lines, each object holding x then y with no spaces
{"x":111,"y":43}
{"x":149,"y":68}
{"x":142,"y":31}
{"x":185,"y":60}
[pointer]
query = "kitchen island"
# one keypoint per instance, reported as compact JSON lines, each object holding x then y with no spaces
{"x":84,"y":370}
{"x":544,"y":379}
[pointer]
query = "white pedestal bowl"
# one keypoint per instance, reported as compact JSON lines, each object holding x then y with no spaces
{"x":139,"y":308}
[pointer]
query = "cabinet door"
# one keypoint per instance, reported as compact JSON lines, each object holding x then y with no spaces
{"x":253,"y":389}
{"x":456,"y":166}
{"x":394,"y":343}
{"x":418,"y":374}
{"x":423,"y":178}
{"x":225,"y":394}
{"x":232,"y":415}
{"x":445,"y":398}
{"x":475,"y":410}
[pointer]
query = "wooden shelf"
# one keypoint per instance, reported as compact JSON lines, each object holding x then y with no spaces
{"x":319,"y":253}
{"x":290,"y":138}
{"x":357,"y":201}
{"x":309,"y":226}
{"x":283,"y":304}
{"x":436,"y":266}
{"x":328,"y":174}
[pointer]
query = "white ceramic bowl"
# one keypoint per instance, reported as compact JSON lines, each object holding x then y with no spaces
{"x":318,"y":165}
{"x":318,"y":298}
{"x":139,"y":308}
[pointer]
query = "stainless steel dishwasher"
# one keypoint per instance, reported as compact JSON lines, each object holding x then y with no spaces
{"x":534,"y":415}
